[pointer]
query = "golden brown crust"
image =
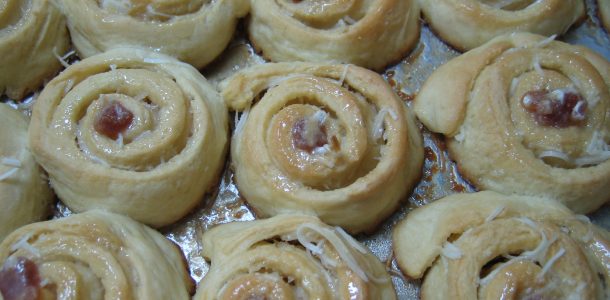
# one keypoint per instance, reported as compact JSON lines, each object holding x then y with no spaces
{"x":370,"y":34}
{"x":290,"y":257}
{"x":97,"y":255}
{"x":158,"y":168}
{"x":32,"y":33}
{"x":25,"y":195}
{"x":370,"y":159}
{"x":487,"y":245}
{"x":476,"y":101}
{"x":467,"y":24}
{"x":195,"y":32}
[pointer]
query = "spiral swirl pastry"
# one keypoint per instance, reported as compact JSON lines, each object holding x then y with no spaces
{"x":32,"y":32}
{"x":195,"y":32}
{"x":371,"y":34}
{"x":290,"y":257}
{"x":130,"y":131}
{"x":604,"y":13}
{"x":526,"y":115}
{"x":25,"y":195}
{"x":467,"y":24}
{"x":490,"y":246}
{"x":328,"y":140}
{"x":93,"y":255}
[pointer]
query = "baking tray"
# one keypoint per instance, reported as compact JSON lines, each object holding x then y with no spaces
{"x":439,"y":177}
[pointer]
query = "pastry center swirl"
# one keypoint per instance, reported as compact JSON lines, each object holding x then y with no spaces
{"x":113,"y":120}
{"x":308,"y":134}
{"x":20,"y":279}
{"x":152,"y":10}
{"x":558,"y":108}
{"x":323,"y":14}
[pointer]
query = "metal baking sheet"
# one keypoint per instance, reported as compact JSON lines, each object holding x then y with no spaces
{"x":440,"y":176}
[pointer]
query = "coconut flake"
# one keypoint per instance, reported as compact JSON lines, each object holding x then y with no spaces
{"x":69,"y":85}
{"x":549,"y":264}
{"x":8,"y":174}
{"x":342,"y":249}
{"x":242,"y":121}
{"x":545,"y":42}
{"x":11,"y":162}
{"x":151,"y":10}
{"x":555,"y":154}
{"x":451,"y":251}
{"x":61,"y":59}
{"x":378,"y":129}
{"x":25,"y":245}
{"x":494,"y":214}
{"x":344,"y":74}
{"x":350,"y":240}
{"x":460,"y":136}
{"x":119,"y":140}
{"x":536,"y":65}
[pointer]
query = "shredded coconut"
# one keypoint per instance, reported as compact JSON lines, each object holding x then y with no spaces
{"x":119,"y":140}
{"x":494,"y":214}
{"x":151,"y":10}
{"x":11,"y":162}
{"x":344,"y":74}
{"x":378,"y":129}
{"x":555,"y":154}
{"x":545,"y":42}
{"x":242,"y":121}
{"x":69,"y":85}
{"x":460,"y":136}
{"x":25,"y":245}
{"x":451,"y":251}
{"x":549,"y":264}
{"x":536,"y":65}
{"x":62,"y":61}
{"x":8,"y":174}
{"x":339,"y":245}
{"x":350,"y":240}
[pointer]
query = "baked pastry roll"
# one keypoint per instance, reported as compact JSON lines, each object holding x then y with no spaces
{"x":93,"y":255}
{"x":130,"y":131}
{"x":467,"y":24}
{"x":526,"y":115}
{"x":604,"y":13}
{"x":32,"y":33}
{"x":195,"y":32}
{"x":489,"y":246}
{"x":328,"y":140}
{"x":371,"y":34}
{"x":25,"y":195}
{"x":290,"y":257}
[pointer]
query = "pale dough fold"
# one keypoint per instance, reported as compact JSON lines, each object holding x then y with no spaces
{"x":368,"y":33}
{"x":604,"y":13}
{"x":25,"y":196}
{"x":466,"y":24}
{"x":478,"y":101}
{"x":490,"y":246}
{"x":290,"y":257}
{"x":156,"y":169}
{"x":32,"y":32}
{"x":195,"y":32}
{"x":327,"y":140}
{"x":97,"y":255}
